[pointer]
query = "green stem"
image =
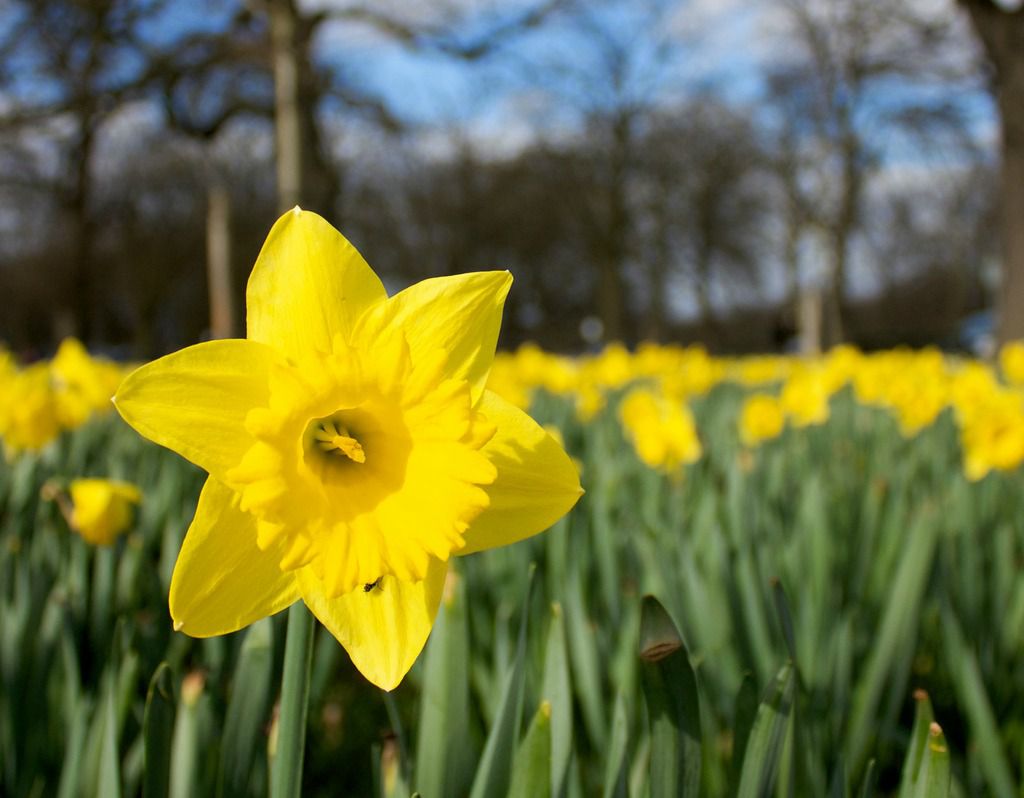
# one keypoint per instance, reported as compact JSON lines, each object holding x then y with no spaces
{"x":286,"y":779}
{"x":396,"y":726}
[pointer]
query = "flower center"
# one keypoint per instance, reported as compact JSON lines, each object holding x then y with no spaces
{"x":364,"y":465}
{"x":334,"y":438}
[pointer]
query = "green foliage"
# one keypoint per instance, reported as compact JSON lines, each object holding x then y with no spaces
{"x":825,"y":585}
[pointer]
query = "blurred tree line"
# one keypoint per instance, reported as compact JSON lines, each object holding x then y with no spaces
{"x":853,"y":196}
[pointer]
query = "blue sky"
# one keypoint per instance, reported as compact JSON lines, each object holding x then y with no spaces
{"x":552,"y":75}
{"x":428,"y":87}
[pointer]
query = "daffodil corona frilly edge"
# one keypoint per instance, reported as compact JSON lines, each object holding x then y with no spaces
{"x":352,"y":448}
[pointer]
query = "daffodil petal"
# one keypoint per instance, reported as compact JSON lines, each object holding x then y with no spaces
{"x":195,"y":401}
{"x":309,"y":284}
{"x":222,"y":580}
{"x":459,"y":315}
{"x":537,"y":482}
{"x":383,"y":628}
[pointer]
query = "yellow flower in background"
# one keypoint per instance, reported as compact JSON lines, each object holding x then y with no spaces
{"x":993,"y":437}
{"x":101,"y":509}
{"x":82,"y":384}
{"x":613,"y":367}
{"x":351,"y":446}
{"x":590,"y":400}
{"x":918,"y":403}
{"x":761,"y":370}
{"x":761,"y":419}
{"x":1011,"y":362}
{"x":972,"y":389}
{"x":692,"y":372}
{"x":804,"y":398}
{"x":839,"y":366}
{"x":28,"y":410}
{"x":663,"y":431}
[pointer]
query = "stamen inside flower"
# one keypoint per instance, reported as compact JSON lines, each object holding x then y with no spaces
{"x":335,"y":439}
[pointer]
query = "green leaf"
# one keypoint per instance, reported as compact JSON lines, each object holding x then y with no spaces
{"x":248,"y":709}
{"x":765,"y":745}
{"x":71,"y":771}
{"x":744,"y":712}
{"x":934,"y":777}
{"x":286,"y":769}
{"x":898,"y":625}
{"x":444,"y":748}
{"x":785,"y":617}
{"x":616,"y":770}
{"x":185,"y":745}
{"x":586,"y":662}
{"x":494,"y":771}
{"x":923,"y":718}
{"x":531,"y":771}
{"x":970,"y":688}
{"x":673,"y":705}
{"x":157,"y":733}
{"x":108,"y":783}
{"x":867,"y":786}
{"x":556,"y":689}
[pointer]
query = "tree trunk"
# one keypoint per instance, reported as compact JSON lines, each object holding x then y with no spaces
{"x":1002,"y":34}
{"x":833,"y":323}
{"x":809,"y":321}
{"x":218,"y":261}
{"x":1011,"y":298}
{"x":287,"y":116}
{"x":657,"y":275}
{"x":81,"y":301}
{"x":702,"y":269}
{"x":611,"y":290}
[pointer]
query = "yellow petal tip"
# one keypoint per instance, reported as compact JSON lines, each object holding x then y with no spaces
{"x":297,"y":211}
{"x":178,"y":626}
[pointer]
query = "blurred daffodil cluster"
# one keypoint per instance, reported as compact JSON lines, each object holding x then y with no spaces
{"x":654,"y":387}
{"x":663,"y":431}
{"x":40,"y":400}
{"x":651,"y":391}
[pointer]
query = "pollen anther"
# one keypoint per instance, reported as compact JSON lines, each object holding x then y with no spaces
{"x":335,"y":439}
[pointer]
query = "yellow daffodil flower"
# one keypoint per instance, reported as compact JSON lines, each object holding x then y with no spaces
{"x":917,"y":398}
{"x":29,"y":417}
{"x":761,"y":419}
{"x":805,"y":398}
{"x":352,"y":449}
{"x":82,"y":384}
{"x":663,"y":431}
{"x":101,"y":509}
{"x":993,"y":439}
{"x":1011,"y":362}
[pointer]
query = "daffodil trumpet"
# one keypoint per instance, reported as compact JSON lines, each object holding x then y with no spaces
{"x":352,"y":446}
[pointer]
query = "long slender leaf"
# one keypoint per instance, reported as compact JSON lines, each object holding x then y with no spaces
{"x":761,"y":760}
{"x":673,"y":705}
{"x":158,"y":733}
{"x":494,"y":771}
{"x":531,"y":771}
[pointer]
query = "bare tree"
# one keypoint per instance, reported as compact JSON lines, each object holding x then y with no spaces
{"x":76,"y":64}
{"x":1000,"y":26}
{"x":837,"y":109}
{"x":618,"y":61}
{"x":703,"y":170}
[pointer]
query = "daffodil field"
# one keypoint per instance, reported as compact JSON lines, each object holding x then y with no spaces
{"x":787,"y":577}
